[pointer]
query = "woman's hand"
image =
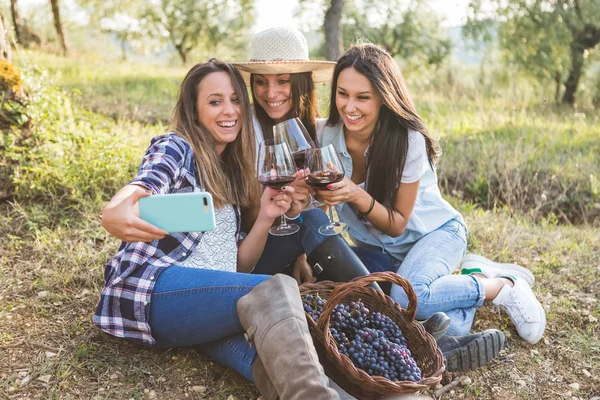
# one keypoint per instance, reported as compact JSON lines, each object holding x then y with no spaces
{"x":301,"y":197}
{"x":121,"y":217}
{"x":302,"y":271}
{"x":273,"y":203}
{"x":344,"y":191}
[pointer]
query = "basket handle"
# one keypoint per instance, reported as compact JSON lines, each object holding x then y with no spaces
{"x":343,"y":289}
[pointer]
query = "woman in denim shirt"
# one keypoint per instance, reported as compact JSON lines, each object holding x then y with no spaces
{"x":392,"y":204}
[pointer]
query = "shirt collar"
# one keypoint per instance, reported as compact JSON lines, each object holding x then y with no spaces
{"x":339,"y":141}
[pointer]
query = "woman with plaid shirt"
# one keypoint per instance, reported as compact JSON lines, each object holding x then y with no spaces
{"x":152,"y":296}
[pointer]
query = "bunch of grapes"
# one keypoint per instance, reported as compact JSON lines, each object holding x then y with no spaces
{"x":371,"y":340}
{"x":313,"y":305}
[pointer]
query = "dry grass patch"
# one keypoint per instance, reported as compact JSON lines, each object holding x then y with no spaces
{"x":51,"y":280}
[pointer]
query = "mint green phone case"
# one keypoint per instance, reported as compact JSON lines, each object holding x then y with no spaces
{"x":179,"y":212}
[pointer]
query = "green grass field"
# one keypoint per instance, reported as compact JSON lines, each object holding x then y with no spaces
{"x":526,"y":178}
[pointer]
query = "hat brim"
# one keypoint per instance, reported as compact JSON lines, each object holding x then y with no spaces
{"x":322,"y":70}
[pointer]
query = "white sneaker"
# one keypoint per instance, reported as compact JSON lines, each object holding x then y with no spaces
{"x":472,"y":263}
{"x":524,"y":310}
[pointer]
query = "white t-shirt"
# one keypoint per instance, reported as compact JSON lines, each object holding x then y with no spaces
{"x":417,"y":162}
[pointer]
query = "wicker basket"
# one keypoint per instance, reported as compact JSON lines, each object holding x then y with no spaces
{"x":340,"y":368}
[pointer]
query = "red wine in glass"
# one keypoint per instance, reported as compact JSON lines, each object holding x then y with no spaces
{"x":300,"y":159}
{"x":275,"y":168}
{"x":276,"y":182}
{"x":320,"y":179}
{"x":325,"y":168}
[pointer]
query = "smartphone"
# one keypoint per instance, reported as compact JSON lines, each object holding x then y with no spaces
{"x":179,"y":212}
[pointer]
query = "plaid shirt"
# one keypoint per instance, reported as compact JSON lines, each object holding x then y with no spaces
{"x":168,"y":167}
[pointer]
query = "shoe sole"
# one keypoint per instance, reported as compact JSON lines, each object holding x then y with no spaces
{"x":475,"y":354}
{"x":541,"y":331}
{"x":470,"y":261}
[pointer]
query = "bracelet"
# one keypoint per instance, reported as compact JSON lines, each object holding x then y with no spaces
{"x":363,"y":215}
{"x":293,"y":218}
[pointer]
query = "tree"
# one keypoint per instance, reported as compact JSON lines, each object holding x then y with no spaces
{"x":58,"y":26}
{"x":409,"y":30}
{"x":23,"y":34}
{"x":547,"y":39}
{"x":334,"y":42}
{"x":14,"y":10}
{"x":123,"y":19}
{"x":189,"y":24}
{"x":5,"y":53}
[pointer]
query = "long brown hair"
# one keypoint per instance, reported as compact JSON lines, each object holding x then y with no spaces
{"x":389,"y":141}
{"x":231,"y":177}
{"x":304,"y":105}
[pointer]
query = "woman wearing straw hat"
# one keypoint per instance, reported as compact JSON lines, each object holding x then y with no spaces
{"x":282,"y":80}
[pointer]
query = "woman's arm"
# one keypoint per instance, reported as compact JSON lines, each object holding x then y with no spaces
{"x":347,"y":191}
{"x":158,"y":172}
{"x":272,"y":204}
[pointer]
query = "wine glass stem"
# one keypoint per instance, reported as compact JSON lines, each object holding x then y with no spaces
{"x":330,"y":215}
{"x":283,"y":223}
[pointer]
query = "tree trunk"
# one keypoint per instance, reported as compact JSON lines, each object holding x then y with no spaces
{"x":4,"y":43}
{"x":334,"y":46}
{"x":574,"y":73}
{"x":58,"y":26}
{"x":558,"y":81}
{"x":587,"y":38}
{"x":182,"y":53}
{"x":14,"y":10}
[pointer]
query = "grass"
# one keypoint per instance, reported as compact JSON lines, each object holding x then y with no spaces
{"x":52,"y":245}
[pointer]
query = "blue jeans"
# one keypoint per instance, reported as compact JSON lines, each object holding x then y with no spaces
{"x":281,"y":251}
{"x":428,"y":266}
{"x":198,"y":307}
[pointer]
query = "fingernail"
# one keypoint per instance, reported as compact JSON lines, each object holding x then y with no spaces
{"x":329,"y":186}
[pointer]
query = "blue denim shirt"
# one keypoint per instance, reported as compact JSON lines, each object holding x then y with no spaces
{"x":430,"y":212}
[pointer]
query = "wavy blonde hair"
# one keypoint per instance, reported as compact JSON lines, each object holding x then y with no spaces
{"x":230,"y":177}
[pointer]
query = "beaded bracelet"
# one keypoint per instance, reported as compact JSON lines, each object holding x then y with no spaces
{"x":363,"y":215}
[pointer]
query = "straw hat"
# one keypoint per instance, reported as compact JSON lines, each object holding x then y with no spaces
{"x":283,"y":51}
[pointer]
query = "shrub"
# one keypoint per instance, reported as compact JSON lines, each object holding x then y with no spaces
{"x":70,"y":159}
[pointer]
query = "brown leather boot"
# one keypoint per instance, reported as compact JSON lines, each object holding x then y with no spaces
{"x":273,"y":318}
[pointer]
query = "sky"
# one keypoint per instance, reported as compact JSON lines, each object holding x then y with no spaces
{"x":273,"y":13}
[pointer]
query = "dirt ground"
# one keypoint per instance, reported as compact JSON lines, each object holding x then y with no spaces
{"x":49,"y":349}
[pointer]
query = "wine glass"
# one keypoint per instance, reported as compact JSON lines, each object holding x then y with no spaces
{"x":275,"y":168}
{"x":325,"y":168}
{"x":293,"y":132}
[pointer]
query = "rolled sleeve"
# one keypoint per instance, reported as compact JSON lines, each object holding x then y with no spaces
{"x":161,"y":166}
